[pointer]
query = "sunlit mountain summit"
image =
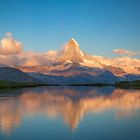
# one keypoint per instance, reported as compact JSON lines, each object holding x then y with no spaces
{"x":72,"y":53}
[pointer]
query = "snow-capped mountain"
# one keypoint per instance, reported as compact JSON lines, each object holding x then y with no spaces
{"x":73,"y":66}
{"x":72,"y":55}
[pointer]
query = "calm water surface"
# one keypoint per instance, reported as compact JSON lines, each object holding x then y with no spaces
{"x":70,"y":113}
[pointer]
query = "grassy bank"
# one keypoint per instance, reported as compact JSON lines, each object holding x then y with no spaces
{"x":91,"y":84}
{"x":128,"y":85}
{"x":10,"y":84}
{"x":125,"y":84}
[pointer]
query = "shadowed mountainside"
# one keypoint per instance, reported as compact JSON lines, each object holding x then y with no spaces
{"x":14,"y":78}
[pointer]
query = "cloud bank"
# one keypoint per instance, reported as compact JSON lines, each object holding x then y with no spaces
{"x":12,"y":54}
{"x":125,"y":52}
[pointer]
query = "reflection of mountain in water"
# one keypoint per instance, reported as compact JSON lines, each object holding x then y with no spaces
{"x":69,"y":103}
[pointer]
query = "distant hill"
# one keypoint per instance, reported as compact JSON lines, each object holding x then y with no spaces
{"x":15,"y":75}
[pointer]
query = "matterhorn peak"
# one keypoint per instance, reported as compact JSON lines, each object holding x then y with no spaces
{"x":73,"y":43}
{"x":72,"y":40}
{"x":72,"y":52}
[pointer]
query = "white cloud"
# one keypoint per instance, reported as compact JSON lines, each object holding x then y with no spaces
{"x":9,"y":46}
{"x":128,"y":64}
{"x":12,"y":53}
{"x":125,"y":52}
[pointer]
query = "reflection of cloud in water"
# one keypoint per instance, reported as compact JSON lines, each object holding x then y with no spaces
{"x":69,"y":103}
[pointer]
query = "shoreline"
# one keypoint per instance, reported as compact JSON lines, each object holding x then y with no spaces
{"x":122,"y":85}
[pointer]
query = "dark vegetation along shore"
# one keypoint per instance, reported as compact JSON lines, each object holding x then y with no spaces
{"x":10,"y":84}
{"x":91,"y":84}
{"x":128,"y":85}
{"x":124,"y":84}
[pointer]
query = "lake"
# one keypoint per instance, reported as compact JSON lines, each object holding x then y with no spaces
{"x":70,"y":113}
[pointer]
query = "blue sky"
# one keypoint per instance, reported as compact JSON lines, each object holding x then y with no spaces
{"x":99,"y":26}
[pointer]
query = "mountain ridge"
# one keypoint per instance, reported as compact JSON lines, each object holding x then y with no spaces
{"x":73,"y":66}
